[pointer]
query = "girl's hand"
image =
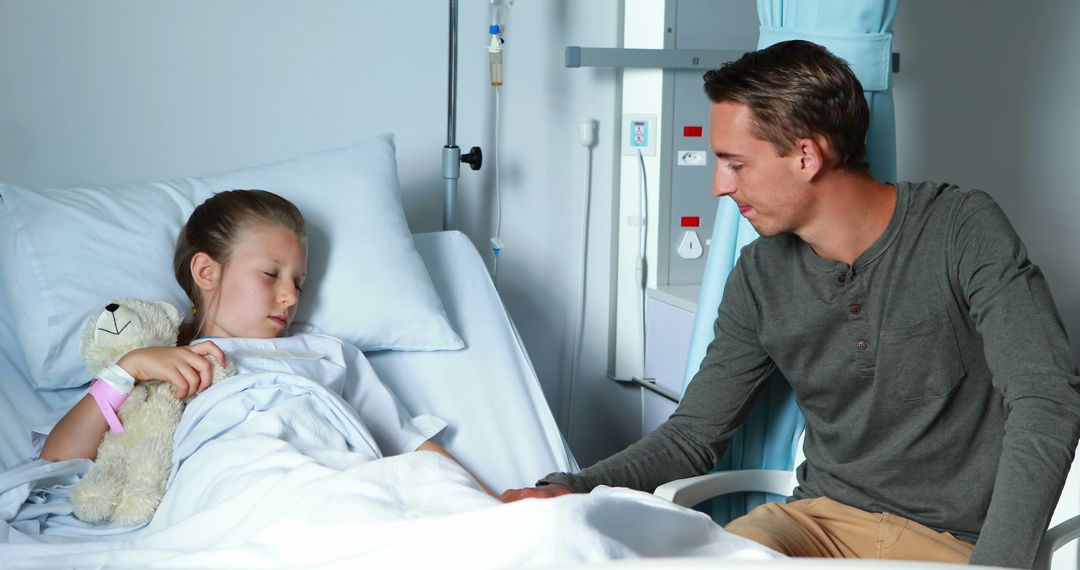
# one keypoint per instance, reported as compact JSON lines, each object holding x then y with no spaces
{"x":185,"y":367}
{"x":542,"y":492}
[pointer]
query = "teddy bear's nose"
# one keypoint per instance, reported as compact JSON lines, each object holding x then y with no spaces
{"x":112,"y":307}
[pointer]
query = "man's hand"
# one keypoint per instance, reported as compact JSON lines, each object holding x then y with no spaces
{"x":541,"y":492}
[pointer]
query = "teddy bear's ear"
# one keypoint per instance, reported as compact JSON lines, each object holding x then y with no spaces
{"x":170,"y":310}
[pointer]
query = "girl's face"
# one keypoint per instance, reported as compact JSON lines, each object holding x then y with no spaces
{"x":256,"y":294}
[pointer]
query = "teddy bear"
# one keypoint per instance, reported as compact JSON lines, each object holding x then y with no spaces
{"x":128,"y":478}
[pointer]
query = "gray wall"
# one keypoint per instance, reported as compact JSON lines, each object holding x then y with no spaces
{"x":988,"y":97}
{"x":98,"y":92}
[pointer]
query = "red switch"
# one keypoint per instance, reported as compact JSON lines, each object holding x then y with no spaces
{"x":691,"y":131}
{"x":691,"y":221}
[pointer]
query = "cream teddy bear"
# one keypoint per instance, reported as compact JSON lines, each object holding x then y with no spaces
{"x":128,"y":478}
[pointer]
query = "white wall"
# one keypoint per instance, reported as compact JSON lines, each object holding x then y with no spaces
{"x":988,"y":97}
{"x":97,"y":92}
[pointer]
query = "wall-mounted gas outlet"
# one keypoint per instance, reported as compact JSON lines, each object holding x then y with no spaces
{"x":690,"y":245}
{"x":639,"y":135}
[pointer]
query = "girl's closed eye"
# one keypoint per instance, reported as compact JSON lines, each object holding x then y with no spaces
{"x":274,"y":275}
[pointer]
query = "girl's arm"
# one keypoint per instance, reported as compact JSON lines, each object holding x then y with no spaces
{"x":432,"y":446}
{"x":78,"y":434}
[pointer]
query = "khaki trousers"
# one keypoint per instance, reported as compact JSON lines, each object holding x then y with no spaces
{"x":824,"y":528}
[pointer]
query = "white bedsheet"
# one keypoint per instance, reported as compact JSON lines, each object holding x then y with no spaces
{"x":266,"y":474}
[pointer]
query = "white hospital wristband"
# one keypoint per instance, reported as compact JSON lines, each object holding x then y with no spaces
{"x":117,"y":378}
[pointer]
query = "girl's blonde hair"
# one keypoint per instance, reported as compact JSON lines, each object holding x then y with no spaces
{"x":213,"y":229}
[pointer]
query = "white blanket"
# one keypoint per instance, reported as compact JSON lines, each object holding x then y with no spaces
{"x":273,"y":470}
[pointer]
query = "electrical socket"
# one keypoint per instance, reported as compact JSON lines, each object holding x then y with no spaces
{"x":639,"y":134}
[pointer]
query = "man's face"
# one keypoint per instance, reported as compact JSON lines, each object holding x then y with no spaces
{"x":749,"y":170}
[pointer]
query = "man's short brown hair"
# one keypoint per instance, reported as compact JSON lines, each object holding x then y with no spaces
{"x":796,"y":89}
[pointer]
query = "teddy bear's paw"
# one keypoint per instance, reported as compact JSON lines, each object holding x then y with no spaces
{"x":92,"y":511}
{"x":136,"y":507}
{"x":94,"y":499}
{"x":221,"y":372}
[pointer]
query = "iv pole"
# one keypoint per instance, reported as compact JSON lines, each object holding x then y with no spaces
{"x":451,"y":155}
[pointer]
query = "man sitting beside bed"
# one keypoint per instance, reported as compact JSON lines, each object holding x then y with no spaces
{"x":923,"y":346}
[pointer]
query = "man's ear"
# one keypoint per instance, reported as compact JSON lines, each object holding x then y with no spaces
{"x":205,"y":271}
{"x":814,"y":155}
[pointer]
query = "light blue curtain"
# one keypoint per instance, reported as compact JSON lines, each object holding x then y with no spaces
{"x":860,"y":32}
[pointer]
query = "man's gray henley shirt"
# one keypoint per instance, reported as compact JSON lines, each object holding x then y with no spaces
{"x":934,"y":374}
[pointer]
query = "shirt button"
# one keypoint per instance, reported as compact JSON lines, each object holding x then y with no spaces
{"x":856,"y":309}
{"x":861,"y":345}
{"x":843,"y":278}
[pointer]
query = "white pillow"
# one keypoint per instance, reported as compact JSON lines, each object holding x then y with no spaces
{"x":77,"y":248}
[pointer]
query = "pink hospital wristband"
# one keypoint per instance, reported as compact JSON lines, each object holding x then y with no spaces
{"x":109,"y":400}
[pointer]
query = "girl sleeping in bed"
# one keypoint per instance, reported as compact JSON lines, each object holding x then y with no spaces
{"x":300,"y":459}
{"x":242,"y":260}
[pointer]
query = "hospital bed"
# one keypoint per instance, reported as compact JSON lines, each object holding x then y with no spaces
{"x":499,"y":425}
